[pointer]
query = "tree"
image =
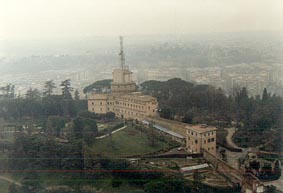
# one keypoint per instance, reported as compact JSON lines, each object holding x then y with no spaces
{"x":54,"y":125}
{"x":33,"y":94}
{"x":110,"y":115}
{"x":85,"y":128}
{"x":32,"y":183}
{"x":8,"y":91}
{"x":265,"y":95}
{"x":77,"y":95}
{"x":48,"y":88}
{"x":98,"y":85}
{"x":66,"y":89}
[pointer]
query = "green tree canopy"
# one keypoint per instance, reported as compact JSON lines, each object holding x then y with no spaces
{"x":33,"y":94}
{"x":66,"y":89}
{"x":98,"y":85}
{"x":48,"y":88}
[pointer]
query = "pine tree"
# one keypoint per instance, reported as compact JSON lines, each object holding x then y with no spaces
{"x":77,"y":95}
{"x":66,"y":89}
{"x":48,"y":88}
{"x":265,"y":95}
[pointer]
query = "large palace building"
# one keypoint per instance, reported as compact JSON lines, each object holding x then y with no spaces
{"x":123,"y":100}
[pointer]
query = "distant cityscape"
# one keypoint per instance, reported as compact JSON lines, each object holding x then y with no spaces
{"x":226,"y":61}
{"x":255,"y":77}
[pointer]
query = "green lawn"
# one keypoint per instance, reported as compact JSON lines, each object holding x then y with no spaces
{"x":4,"y":185}
{"x":126,"y":143}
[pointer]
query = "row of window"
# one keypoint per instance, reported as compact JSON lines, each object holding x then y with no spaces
{"x":100,"y":109}
{"x":204,"y":141}
{"x":125,"y":111}
{"x":196,"y":134}
{"x":209,"y":133}
{"x":212,"y":148}
{"x":124,"y":104}
{"x":131,"y":101}
{"x":132,"y":105}
{"x":209,"y":140}
{"x":124,"y":86}
{"x":100,"y":103}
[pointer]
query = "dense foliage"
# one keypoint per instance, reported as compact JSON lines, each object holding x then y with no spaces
{"x":38,"y":105}
{"x":204,"y":103}
{"x":98,"y":85}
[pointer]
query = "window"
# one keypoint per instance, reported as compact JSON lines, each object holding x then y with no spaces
{"x":100,"y":103}
{"x":204,"y":141}
{"x":212,"y":139}
{"x":92,"y":103}
{"x":196,"y":141}
{"x":208,"y":140}
{"x":208,"y":149}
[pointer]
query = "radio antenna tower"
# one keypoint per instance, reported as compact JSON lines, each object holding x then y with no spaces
{"x":122,"y":56}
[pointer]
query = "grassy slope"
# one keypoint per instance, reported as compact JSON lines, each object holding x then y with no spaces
{"x":125,"y":143}
{"x":4,"y":186}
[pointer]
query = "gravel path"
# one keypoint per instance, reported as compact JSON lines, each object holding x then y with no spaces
{"x":120,"y":129}
{"x":10,"y":180}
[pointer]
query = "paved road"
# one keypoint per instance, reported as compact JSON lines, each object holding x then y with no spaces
{"x":233,"y":157}
{"x":231,"y":131}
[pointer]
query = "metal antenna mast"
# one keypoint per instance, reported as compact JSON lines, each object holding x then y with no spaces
{"x":122,"y":56}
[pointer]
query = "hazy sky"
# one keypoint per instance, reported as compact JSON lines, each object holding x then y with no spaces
{"x":26,"y":19}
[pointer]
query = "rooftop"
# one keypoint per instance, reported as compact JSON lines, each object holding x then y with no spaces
{"x":196,"y":167}
{"x":165,"y":130}
{"x":201,"y":128}
{"x":138,"y":96}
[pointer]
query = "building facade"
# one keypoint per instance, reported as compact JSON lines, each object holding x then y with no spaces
{"x":200,"y":137}
{"x":123,"y":100}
